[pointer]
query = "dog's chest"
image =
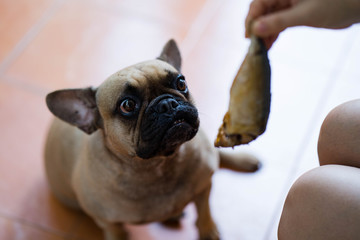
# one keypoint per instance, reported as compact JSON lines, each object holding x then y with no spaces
{"x":156,"y":194}
{"x":153,"y":203}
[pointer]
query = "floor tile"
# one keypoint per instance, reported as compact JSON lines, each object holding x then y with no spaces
{"x":16,"y":19}
{"x":90,"y":46}
{"x":181,"y":14}
{"x":324,"y":45}
{"x":12,"y":230}
{"x":24,"y":193}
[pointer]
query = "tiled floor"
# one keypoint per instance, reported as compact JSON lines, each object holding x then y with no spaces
{"x":51,"y":44}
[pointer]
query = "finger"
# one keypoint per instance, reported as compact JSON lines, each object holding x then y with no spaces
{"x":274,"y":23}
{"x":260,"y":8}
{"x":257,"y":8}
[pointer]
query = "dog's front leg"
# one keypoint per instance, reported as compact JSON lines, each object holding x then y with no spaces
{"x":205,"y":224}
{"x":113,"y":231}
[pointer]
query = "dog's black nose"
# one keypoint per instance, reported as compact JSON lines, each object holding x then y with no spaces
{"x":166,"y":105}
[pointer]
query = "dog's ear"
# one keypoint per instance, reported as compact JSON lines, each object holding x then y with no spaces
{"x":75,"y":106}
{"x":171,"y":54}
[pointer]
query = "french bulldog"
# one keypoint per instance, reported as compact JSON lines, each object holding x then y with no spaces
{"x":131,"y":151}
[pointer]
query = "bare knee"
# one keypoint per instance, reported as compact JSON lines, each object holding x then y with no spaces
{"x":339,"y":138}
{"x":324,"y":203}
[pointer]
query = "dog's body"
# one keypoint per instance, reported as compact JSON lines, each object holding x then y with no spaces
{"x":132,"y":191}
{"x":142,"y":159}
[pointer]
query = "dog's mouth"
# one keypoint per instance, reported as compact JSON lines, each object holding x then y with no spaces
{"x":179,"y":132}
{"x":178,"y":122}
{"x":161,"y":135}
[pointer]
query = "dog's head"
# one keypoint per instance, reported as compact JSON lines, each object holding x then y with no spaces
{"x":144,"y":110}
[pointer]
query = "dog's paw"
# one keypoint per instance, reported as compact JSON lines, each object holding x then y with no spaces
{"x":115,"y":232}
{"x":174,"y":222}
{"x":117,"y":236}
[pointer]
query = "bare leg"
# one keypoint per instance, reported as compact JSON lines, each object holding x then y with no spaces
{"x":339,"y":138}
{"x":205,"y":223}
{"x":325,"y":202}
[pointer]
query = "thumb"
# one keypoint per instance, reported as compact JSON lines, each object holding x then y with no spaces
{"x":274,"y":23}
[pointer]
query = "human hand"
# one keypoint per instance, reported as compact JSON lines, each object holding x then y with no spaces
{"x":267,"y":18}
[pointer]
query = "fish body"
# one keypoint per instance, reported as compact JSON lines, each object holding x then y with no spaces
{"x":250,"y":98}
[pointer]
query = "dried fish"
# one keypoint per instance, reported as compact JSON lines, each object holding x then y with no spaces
{"x":250,"y":97}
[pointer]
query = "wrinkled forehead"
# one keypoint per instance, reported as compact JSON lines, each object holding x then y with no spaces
{"x":139,"y":77}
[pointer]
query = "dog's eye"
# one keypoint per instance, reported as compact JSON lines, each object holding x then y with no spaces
{"x":181,"y":83}
{"x":128,"y":106}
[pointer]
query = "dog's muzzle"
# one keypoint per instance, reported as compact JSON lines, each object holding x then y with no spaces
{"x":167,"y":123}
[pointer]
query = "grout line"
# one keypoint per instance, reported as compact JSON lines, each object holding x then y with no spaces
{"x":199,"y":26}
{"x":325,"y":95}
{"x":29,"y":36}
